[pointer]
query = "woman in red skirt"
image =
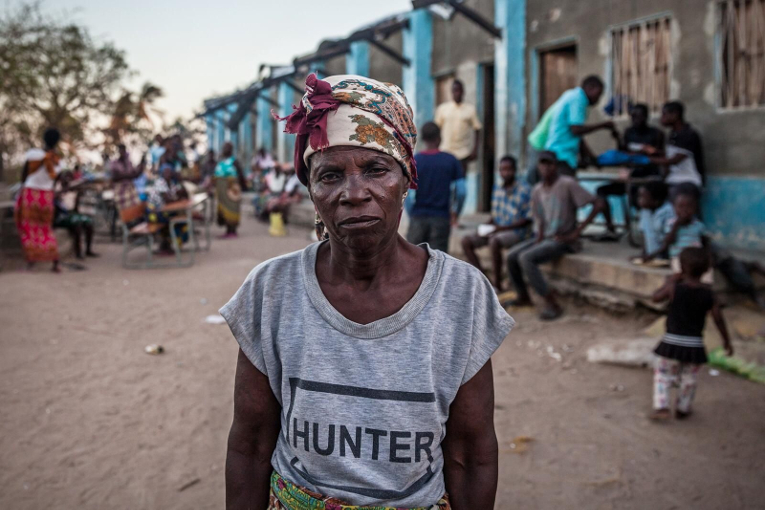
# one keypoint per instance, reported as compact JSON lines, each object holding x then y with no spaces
{"x":35,"y":206}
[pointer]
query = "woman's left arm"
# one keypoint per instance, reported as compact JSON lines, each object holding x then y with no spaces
{"x":471,"y":454}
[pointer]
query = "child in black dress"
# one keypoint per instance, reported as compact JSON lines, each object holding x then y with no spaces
{"x":681,"y":352}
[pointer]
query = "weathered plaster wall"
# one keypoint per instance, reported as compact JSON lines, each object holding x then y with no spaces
{"x":734,"y":141}
{"x":384,"y":68}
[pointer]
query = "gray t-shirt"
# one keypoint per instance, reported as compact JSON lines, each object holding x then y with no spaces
{"x":364,"y":407}
{"x":557,"y":205}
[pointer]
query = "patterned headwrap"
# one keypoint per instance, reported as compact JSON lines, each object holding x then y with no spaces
{"x":356,"y":111}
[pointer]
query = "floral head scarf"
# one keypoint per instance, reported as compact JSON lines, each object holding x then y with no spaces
{"x":356,"y":111}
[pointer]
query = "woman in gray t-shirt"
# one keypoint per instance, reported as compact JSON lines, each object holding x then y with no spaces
{"x":364,"y":375}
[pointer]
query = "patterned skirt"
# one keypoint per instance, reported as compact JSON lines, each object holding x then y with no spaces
{"x":288,"y":496}
{"x":228,"y":193}
{"x":34,"y":220}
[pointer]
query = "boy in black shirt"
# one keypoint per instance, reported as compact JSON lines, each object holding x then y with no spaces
{"x":639,"y":138}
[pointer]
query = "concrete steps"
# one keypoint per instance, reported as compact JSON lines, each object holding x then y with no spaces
{"x":601,"y":273}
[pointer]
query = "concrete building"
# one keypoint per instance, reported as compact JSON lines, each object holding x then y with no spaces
{"x":515,"y":57}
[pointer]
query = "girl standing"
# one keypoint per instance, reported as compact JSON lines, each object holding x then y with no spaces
{"x":681,"y":352}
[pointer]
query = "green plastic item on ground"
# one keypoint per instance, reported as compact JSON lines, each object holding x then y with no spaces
{"x":749,"y":370}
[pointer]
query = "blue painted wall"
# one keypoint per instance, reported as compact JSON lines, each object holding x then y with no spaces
{"x":510,"y":76}
{"x":210,"y":129}
{"x":315,"y":68}
{"x":220,"y":132}
{"x":246,"y":149}
{"x":473,"y":179}
{"x":264,"y":133}
{"x":228,"y":134}
{"x":472,"y":188}
{"x":417,"y":81}
{"x":733,"y":210}
{"x":357,"y":61}
{"x":285,"y":143}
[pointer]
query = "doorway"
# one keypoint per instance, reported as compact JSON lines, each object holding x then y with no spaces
{"x":444,"y":88}
{"x":488,"y":146}
{"x":558,"y":73}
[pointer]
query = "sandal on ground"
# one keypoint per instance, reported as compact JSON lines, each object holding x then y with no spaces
{"x":680,"y":415}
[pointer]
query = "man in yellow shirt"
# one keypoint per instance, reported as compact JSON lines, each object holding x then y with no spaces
{"x":459,"y":126}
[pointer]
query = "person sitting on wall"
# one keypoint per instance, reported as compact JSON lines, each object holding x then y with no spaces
{"x":655,"y":215}
{"x":280,"y":202}
{"x":567,"y":126}
{"x":554,"y":205}
{"x":685,"y":230}
{"x":640,"y":141}
{"x":273,"y":186}
{"x":510,"y":217}
{"x":431,"y":210}
{"x":683,"y":160}
{"x":460,"y":127}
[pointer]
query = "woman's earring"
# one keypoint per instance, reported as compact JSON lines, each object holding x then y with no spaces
{"x":406,"y":193}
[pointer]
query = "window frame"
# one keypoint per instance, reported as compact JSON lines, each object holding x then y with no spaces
{"x":671,"y":56}
{"x":719,"y":67}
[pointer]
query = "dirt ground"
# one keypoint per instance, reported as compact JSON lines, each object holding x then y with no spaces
{"x":90,"y":421}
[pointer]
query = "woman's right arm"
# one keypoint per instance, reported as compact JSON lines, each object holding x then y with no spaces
{"x":252,"y":438}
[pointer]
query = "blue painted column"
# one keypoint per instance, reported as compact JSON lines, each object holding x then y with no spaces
{"x":245,"y":129}
{"x":285,"y":143}
{"x":510,"y":77}
{"x":417,"y":81}
{"x":315,"y":67}
{"x":357,"y":61}
{"x":210,"y":130}
{"x":231,"y":135}
{"x":263,"y":134}
{"x":220,"y":131}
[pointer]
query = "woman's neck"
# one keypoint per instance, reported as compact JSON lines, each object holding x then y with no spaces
{"x":368,"y":265}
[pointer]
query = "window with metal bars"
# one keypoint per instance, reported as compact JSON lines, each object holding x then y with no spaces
{"x":741,"y":53}
{"x":641,"y":64}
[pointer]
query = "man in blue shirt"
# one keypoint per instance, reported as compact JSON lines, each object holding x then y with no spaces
{"x":567,"y":126}
{"x":430,"y":208}
{"x":510,"y":215}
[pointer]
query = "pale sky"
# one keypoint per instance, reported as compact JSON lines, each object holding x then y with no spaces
{"x":194,"y":49}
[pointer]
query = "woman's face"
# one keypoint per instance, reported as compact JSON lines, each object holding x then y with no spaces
{"x":358,"y":194}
